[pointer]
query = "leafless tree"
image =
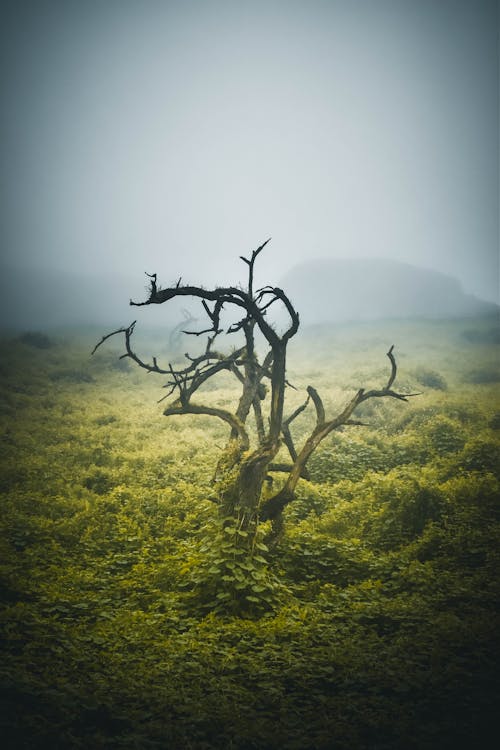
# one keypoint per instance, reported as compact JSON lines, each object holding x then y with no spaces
{"x":243,"y":467}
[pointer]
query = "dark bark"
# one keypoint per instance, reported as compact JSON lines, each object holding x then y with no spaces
{"x":242,"y":470}
{"x":274,"y":506}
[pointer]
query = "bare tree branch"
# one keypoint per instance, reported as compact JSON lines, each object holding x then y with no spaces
{"x":288,"y":439}
{"x":130,"y":353}
{"x":394,"y":368}
{"x":250,"y":263}
{"x":243,"y":469}
{"x":273,"y":507}
{"x":259,"y":422}
{"x":231,"y":419}
{"x":318,"y":405}
{"x":113,"y":333}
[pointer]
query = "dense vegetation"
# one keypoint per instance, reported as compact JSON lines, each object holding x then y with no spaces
{"x":375,"y":625}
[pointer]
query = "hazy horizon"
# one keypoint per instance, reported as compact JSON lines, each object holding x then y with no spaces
{"x":176,"y":136}
{"x":321,"y":289}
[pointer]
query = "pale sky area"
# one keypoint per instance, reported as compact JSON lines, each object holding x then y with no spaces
{"x":176,"y":136}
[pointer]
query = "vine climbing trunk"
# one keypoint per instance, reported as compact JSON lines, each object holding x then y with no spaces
{"x":247,"y":460}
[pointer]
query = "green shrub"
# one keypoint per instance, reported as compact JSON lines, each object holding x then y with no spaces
{"x":36,"y":339}
{"x":308,"y":501}
{"x":481,"y":454}
{"x":494,"y":422}
{"x":99,"y":482}
{"x":72,"y":375}
{"x":346,"y":459}
{"x":403,"y":507}
{"x":105,"y":419}
{"x":482,"y":375}
{"x":307,"y":557}
{"x":227,"y":579}
{"x":445,"y":435}
{"x":430,"y":379}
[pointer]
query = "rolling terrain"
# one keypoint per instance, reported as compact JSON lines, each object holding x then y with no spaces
{"x":384,"y":630}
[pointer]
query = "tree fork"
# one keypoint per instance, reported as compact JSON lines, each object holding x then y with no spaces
{"x":242,"y":469}
{"x":274,"y":506}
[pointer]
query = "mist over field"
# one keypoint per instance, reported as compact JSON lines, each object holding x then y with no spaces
{"x":174,"y":137}
{"x":260,"y":509}
{"x":322,"y":291}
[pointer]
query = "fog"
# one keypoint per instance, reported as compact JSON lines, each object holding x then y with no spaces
{"x":173,"y":137}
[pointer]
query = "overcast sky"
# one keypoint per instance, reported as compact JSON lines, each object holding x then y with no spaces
{"x":175,"y":136}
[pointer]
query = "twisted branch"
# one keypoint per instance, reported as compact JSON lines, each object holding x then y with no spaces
{"x":273,"y":507}
{"x":231,"y":419}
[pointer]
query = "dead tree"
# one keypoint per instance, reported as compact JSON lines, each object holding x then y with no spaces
{"x":243,"y":467}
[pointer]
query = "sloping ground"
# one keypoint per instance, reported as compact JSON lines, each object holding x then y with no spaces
{"x":341,"y":290}
{"x":385,"y":636}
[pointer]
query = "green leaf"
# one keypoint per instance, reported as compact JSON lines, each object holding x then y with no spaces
{"x":260,"y":559}
{"x":263,"y":547}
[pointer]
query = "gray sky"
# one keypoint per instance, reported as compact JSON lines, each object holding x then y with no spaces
{"x":175,"y":136}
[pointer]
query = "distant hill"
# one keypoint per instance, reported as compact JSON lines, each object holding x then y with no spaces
{"x":342,"y":290}
{"x":321,"y":290}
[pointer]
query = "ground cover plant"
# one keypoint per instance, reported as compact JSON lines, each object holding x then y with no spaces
{"x":236,"y":578}
{"x":382,"y":629}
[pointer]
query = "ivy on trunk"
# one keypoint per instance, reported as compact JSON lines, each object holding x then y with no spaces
{"x":245,"y":464}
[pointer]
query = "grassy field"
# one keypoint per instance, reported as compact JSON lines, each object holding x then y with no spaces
{"x":384,"y":632}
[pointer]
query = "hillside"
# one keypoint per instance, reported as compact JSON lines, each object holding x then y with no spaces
{"x":384,"y":631}
{"x":370,"y":289}
{"x":322,"y":290}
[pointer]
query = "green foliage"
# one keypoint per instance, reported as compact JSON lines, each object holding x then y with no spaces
{"x":494,"y":422}
{"x":481,"y":454}
{"x":346,"y":458}
{"x":430,"y":379}
{"x":311,"y":559}
{"x":233,"y":575}
{"x":35,"y":338}
{"x":403,"y":507}
{"x":445,"y":435}
{"x":485,"y":374}
{"x":133,"y":617}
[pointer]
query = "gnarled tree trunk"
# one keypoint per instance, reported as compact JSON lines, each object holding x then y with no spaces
{"x":244,"y":468}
